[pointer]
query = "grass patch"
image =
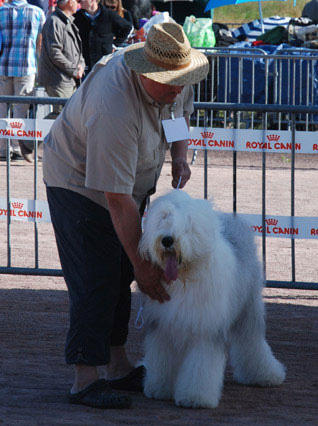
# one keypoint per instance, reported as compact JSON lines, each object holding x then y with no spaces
{"x":247,"y":12}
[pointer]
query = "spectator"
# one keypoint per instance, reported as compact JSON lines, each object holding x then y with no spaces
{"x":99,"y":27}
{"x":310,"y":10}
{"x":20,"y":27}
{"x":102,"y":159}
{"x":116,"y":6}
{"x":139,"y":9}
{"x":51,"y":6}
{"x":61,"y":64}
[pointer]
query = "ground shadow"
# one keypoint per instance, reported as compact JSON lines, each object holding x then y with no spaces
{"x":35,"y":380}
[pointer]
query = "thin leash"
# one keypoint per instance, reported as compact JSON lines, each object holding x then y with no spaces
{"x":179,"y":183}
{"x":139,"y":322}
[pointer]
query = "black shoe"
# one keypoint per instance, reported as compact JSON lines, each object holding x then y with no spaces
{"x":132,"y":382}
{"x":16,"y":156}
{"x":99,"y":395}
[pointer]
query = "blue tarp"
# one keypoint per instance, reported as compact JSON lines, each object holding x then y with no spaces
{"x":301,"y":78}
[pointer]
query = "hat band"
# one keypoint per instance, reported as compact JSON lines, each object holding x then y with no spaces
{"x":170,"y":67}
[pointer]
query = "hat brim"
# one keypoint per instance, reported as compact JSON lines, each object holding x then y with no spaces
{"x":198,"y":69}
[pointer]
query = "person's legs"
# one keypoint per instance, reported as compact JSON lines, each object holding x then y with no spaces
{"x":61,"y":91}
{"x":6,"y":89}
{"x":23,"y":86}
{"x":122,"y":374}
{"x":90,"y":255}
{"x":119,"y":365}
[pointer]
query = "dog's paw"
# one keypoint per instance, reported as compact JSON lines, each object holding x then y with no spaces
{"x":196,"y":402}
{"x":158,"y":393}
{"x":273,"y":376}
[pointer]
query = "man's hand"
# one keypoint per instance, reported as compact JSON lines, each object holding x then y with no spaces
{"x":181,"y":168}
{"x":149,"y":279}
{"x":80,"y":71}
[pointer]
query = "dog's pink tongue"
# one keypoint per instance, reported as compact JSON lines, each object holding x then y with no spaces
{"x":171,"y":268}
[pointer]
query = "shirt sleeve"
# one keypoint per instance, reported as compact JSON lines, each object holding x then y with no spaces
{"x":112,"y":153}
{"x":42,"y":20}
{"x":121,"y":29}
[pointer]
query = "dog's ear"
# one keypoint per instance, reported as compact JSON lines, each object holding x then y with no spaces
{"x":203,"y":219}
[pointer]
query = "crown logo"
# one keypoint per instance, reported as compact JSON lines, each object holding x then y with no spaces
{"x":17,"y":205}
{"x":207,"y":135}
{"x":273,"y":138}
{"x":271,"y":221}
{"x":16,"y":124}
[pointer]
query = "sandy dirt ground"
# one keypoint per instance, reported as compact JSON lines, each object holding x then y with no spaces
{"x":34,"y":379}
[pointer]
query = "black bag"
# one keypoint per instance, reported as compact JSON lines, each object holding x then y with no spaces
{"x":223,"y":35}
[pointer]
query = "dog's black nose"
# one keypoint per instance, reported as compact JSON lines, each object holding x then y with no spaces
{"x":167,"y":241}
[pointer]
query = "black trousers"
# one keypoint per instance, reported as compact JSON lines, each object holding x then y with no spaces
{"x":97,"y":273}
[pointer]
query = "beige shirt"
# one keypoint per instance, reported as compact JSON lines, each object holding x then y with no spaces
{"x":109,"y":136}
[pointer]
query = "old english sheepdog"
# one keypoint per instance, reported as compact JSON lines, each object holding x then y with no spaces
{"x":215,"y":284}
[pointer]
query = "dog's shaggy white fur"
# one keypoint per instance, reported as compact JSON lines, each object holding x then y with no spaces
{"x":216,"y":304}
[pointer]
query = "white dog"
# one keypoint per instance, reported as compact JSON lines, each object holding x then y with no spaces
{"x":216,"y":304}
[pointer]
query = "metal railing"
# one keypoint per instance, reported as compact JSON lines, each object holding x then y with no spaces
{"x":236,"y":109}
{"x":254,"y":76}
{"x":34,"y":103}
{"x":205,"y":111}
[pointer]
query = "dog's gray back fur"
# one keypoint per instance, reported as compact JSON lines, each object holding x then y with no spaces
{"x":239,"y":234}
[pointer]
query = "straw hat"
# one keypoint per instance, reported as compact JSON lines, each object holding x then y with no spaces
{"x":167,"y":57}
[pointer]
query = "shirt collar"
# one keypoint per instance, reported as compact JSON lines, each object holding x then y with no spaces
{"x":68,"y":18}
{"x":92,"y":17}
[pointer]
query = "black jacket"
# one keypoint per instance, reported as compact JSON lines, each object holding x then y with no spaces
{"x":128,"y":17}
{"x":138,"y":9}
{"x":98,"y":38}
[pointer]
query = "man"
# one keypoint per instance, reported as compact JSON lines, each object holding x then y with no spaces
{"x":102,"y":159}
{"x":20,"y":28}
{"x":99,"y":28}
{"x":61,"y":64}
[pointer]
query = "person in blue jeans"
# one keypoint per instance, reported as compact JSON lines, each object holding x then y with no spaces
{"x":20,"y":27}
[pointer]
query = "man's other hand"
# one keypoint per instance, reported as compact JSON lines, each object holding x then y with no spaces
{"x":181,"y":168}
{"x":149,"y":279}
